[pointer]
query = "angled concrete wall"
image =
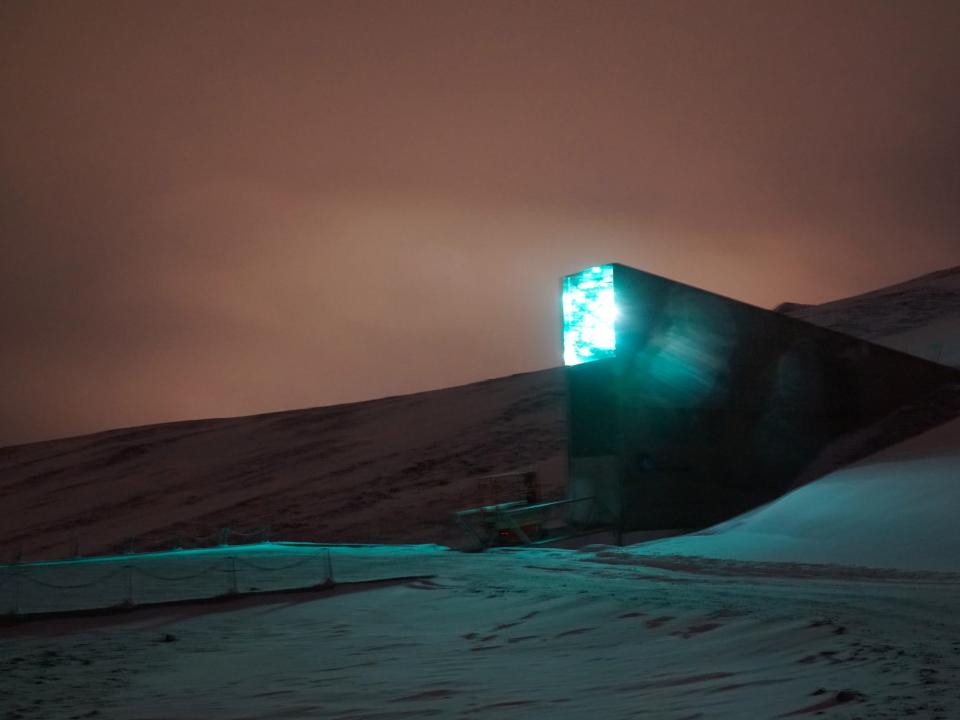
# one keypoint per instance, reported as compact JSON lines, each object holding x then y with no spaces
{"x":712,"y":406}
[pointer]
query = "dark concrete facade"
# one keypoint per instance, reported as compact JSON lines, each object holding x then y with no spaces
{"x":711,"y":406}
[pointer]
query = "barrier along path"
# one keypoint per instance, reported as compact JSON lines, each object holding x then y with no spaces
{"x":132,"y":580}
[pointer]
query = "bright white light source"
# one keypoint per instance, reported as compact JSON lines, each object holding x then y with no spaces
{"x":589,"y":315}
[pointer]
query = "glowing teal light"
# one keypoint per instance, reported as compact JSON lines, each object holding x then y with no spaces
{"x":589,"y":315}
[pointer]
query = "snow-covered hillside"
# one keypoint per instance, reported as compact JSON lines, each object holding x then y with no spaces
{"x":919,"y":316}
{"x":387,"y":470}
{"x":390,"y":470}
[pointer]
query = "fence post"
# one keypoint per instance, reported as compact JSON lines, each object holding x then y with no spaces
{"x":233,"y":576}
{"x":937,"y":351}
{"x":15,"y":610}
{"x":224,"y":536}
{"x":329,"y":580}
{"x":128,"y":576}
{"x":76,"y":547}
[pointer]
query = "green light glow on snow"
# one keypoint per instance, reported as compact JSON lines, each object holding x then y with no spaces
{"x":589,"y":315}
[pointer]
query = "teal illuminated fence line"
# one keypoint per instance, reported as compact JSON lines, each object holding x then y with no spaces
{"x":54,"y":588}
{"x":221,"y":537}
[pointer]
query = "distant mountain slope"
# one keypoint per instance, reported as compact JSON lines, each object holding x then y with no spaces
{"x":919,"y":316}
{"x":390,"y":469}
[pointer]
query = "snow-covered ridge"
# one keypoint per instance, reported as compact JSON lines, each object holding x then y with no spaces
{"x":920,"y":316}
{"x":388,"y":470}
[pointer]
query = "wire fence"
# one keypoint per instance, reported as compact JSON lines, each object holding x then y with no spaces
{"x":83,"y":585}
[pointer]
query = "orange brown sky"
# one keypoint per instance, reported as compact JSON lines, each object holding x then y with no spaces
{"x":220,"y":208}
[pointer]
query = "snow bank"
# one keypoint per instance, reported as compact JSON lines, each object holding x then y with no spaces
{"x":895,"y":509}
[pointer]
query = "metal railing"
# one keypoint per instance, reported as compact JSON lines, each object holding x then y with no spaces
{"x":528,"y":524}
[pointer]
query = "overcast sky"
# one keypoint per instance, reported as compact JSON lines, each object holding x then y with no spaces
{"x":220,"y":208}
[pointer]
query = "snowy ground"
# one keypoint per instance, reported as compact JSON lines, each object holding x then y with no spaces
{"x":515,"y":634}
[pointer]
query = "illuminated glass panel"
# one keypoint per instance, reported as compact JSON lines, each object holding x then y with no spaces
{"x":589,"y":315}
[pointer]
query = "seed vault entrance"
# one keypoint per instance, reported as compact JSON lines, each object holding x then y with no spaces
{"x":686,"y":408}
